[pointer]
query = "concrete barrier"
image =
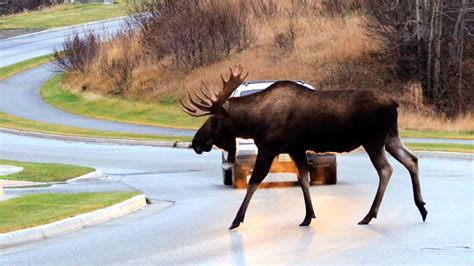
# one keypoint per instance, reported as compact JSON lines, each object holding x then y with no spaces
{"x":73,"y":223}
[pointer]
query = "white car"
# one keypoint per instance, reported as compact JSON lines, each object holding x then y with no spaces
{"x":322,"y":166}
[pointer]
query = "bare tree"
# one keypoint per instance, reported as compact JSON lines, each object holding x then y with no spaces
{"x":428,"y":38}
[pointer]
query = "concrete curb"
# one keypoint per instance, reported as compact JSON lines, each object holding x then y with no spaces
{"x":28,"y":184}
{"x":72,"y":224}
{"x":434,"y":154}
{"x":93,"y":175}
{"x":131,"y":142}
{"x":187,"y":145}
{"x":448,"y":155}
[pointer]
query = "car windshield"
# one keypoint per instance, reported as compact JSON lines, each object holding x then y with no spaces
{"x":248,"y":92}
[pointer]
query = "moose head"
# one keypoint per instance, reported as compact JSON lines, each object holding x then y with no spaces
{"x":206,"y":101}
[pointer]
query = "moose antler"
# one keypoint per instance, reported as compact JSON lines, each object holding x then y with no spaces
{"x":206,"y":101}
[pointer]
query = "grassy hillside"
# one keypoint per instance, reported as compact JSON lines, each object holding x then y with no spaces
{"x":325,"y":50}
{"x":62,"y":15}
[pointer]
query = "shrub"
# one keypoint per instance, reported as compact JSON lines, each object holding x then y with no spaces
{"x":78,"y":52}
{"x":192,"y":33}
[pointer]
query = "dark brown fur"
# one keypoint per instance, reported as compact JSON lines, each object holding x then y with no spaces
{"x":290,"y":118}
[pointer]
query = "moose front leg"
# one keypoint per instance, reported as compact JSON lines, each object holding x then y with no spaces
{"x":260,"y":171}
{"x":303,"y":178}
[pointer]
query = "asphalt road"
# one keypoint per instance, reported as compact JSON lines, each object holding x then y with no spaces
{"x":20,"y":48}
{"x":193,"y":230}
{"x":20,"y":96}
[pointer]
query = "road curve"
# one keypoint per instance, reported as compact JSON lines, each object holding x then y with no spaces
{"x":20,"y":96}
{"x":23,"y":47}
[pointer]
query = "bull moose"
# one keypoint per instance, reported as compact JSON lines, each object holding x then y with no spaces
{"x":290,"y":118}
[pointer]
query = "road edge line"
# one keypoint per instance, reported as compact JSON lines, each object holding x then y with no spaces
{"x":71,"y":224}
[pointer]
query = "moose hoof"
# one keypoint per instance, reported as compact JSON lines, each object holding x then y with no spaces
{"x":306,"y":222}
{"x":234,"y":225}
{"x":366,"y":220}
{"x":423,"y":212}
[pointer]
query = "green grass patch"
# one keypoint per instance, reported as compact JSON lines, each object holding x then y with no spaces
{"x":117,"y":109}
{"x":33,"y":210}
{"x":465,"y":148}
{"x":8,"y":71}
{"x":45,"y":172}
{"x":15,"y":122}
{"x":437,"y":134}
{"x":63,"y":15}
{"x":165,"y":113}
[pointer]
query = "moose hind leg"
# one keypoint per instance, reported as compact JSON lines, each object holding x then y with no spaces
{"x":396,"y":148}
{"x":303,"y":178}
{"x":384,"y":170}
{"x":260,"y":171}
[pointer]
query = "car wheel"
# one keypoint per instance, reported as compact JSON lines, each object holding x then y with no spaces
{"x":322,"y":169}
{"x":239,"y":177}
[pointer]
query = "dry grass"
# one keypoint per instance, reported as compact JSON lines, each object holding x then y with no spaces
{"x":414,"y":115}
{"x":321,"y":57}
{"x":411,"y":120}
{"x":329,"y":52}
